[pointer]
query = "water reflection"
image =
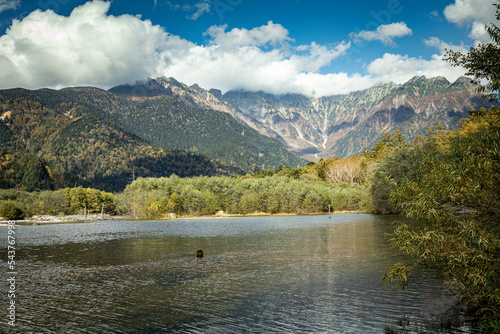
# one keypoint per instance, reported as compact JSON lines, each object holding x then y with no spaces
{"x":264,"y":274}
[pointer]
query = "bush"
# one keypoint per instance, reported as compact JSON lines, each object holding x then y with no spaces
{"x":11,"y":210}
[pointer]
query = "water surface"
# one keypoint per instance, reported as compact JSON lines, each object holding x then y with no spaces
{"x":300,"y":274}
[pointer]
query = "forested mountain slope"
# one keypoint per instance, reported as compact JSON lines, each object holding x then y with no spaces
{"x":51,"y":139}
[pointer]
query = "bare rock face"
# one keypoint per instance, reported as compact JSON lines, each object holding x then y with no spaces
{"x":343,"y":125}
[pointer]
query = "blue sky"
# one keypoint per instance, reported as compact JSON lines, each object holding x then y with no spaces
{"x":315,"y":47}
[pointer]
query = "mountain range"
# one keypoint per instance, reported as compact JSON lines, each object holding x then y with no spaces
{"x":338,"y":125}
{"x":93,"y":137}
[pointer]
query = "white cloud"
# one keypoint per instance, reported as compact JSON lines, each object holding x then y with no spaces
{"x":267,"y":34}
{"x":399,"y":69}
{"x":465,"y":11}
{"x":479,"y":34}
{"x":248,"y":66}
{"x":434,"y":15}
{"x":384,"y":33}
{"x":90,"y":47}
{"x":9,"y":4}
{"x":202,"y":7}
{"x":443,"y":46}
{"x":476,"y":14}
{"x":196,"y":10}
{"x":86,"y":48}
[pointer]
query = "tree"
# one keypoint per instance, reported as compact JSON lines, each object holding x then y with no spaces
{"x":155,"y":208}
{"x":483,"y":61}
{"x":454,"y":189}
{"x":347,"y":170}
{"x":385,"y":145}
{"x":174,"y":204}
{"x":11,"y":211}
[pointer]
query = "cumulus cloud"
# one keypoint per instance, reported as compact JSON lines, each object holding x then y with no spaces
{"x":9,"y":4}
{"x":90,"y":47}
{"x":479,"y":34}
{"x":384,"y":33}
{"x":443,"y":46}
{"x":465,"y":11}
{"x":86,"y":48}
{"x":475,"y":13}
{"x":233,"y":64}
{"x":268,"y":34}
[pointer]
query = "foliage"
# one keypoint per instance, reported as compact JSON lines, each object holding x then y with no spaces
{"x":154,"y":197}
{"x":26,"y":171}
{"x":483,"y":61}
{"x":62,"y":201}
{"x":92,"y":200}
{"x":166,"y":121}
{"x":52,"y":202}
{"x":350,"y":170}
{"x":451,"y":181}
{"x":11,"y":210}
{"x":386,"y":145}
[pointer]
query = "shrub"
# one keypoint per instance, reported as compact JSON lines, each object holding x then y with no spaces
{"x":11,"y":210}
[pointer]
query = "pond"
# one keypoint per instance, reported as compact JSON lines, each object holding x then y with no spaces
{"x":295,"y":274}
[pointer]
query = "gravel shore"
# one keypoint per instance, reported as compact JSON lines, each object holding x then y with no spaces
{"x":46,"y":219}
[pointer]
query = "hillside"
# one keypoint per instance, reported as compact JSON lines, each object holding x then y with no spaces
{"x":89,"y":136}
{"x":50,"y":140}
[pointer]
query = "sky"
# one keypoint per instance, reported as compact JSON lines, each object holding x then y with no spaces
{"x":314,"y":47}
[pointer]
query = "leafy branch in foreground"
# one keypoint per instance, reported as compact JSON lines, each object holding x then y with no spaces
{"x":456,"y":195}
{"x":482,"y":61}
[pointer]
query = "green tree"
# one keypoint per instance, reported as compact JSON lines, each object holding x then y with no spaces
{"x":385,"y":145}
{"x":11,"y":210}
{"x":483,"y":61}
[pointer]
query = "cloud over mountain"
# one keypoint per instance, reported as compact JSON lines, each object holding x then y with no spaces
{"x":91,"y":47}
{"x":86,"y":48}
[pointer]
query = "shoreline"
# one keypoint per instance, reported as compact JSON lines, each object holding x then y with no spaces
{"x":48,"y":219}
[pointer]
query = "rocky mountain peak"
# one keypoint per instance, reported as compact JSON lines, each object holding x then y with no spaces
{"x":216,"y":92}
{"x":416,"y":80}
{"x":464,"y":82}
{"x":439,"y":81}
{"x":142,"y":88}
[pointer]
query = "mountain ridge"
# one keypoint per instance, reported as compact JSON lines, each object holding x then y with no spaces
{"x":345,"y":124}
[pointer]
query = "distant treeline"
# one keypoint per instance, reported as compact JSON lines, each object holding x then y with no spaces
{"x":155,"y":197}
{"x":16,"y":204}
